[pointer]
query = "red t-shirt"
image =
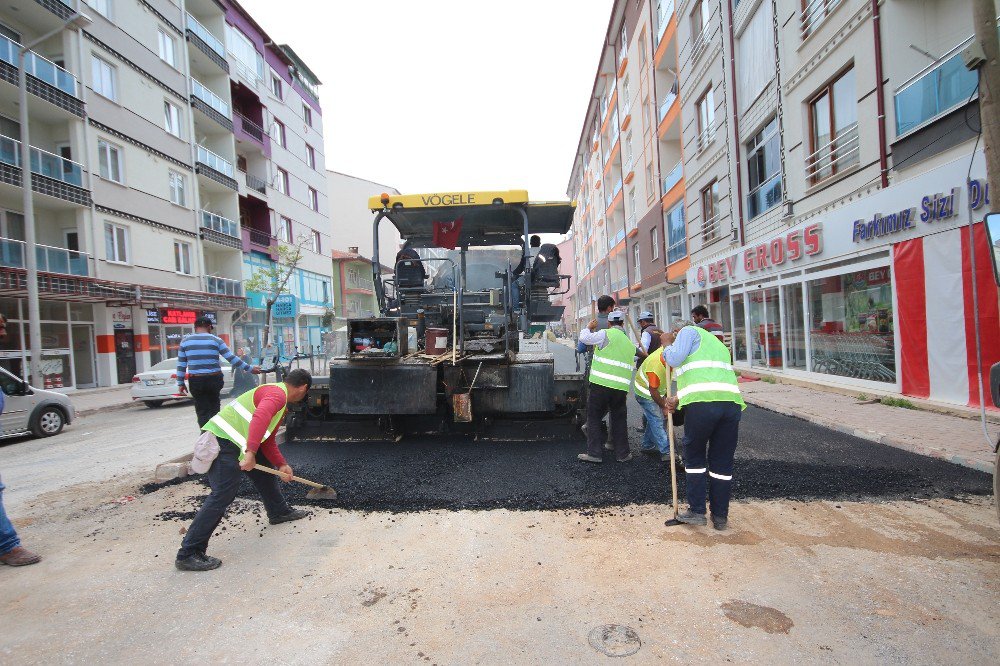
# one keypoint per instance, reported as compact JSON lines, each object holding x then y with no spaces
{"x":268,"y":401}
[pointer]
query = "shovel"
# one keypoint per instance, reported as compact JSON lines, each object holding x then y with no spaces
{"x":673,"y":463}
{"x":319,"y":491}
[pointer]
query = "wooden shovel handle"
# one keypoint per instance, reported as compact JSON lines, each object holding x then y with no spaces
{"x":270,"y":470}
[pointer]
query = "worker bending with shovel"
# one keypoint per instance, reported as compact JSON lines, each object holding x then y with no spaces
{"x":245,"y":430}
{"x":708,"y":391}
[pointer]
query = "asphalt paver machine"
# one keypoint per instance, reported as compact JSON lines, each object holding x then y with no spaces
{"x":450,"y":345}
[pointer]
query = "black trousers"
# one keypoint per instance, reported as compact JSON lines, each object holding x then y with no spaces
{"x":711,"y":430}
{"x":205,"y":391}
{"x":224,"y":478}
{"x":604,"y":400}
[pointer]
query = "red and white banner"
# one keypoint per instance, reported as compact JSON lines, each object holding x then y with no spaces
{"x":936,"y":322}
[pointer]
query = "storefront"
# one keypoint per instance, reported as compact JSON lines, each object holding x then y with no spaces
{"x":67,"y":336}
{"x":167,"y":327}
{"x":875,"y":294}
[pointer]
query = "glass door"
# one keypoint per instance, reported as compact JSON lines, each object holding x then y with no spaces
{"x":795,"y":330}
{"x":739,"y":350}
{"x":765,"y":328}
{"x":83,"y":356}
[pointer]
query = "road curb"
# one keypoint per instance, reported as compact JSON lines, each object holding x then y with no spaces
{"x":108,"y":408}
{"x":873,"y":436}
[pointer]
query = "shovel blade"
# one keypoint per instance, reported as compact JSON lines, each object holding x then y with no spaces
{"x":673,"y":522}
{"x":325,"y":493}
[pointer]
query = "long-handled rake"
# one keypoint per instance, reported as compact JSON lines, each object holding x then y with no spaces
{"x":673,"y":462}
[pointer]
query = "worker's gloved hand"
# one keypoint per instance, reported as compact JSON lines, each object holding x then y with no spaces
{"x":286,"y":473}
{"x":182,"y":389}
{"x":249,"y":460}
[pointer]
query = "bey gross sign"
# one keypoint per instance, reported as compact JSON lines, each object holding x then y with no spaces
{"x":778,"y":251}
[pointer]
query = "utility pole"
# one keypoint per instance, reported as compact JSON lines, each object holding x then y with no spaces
{"x":984,"y":14}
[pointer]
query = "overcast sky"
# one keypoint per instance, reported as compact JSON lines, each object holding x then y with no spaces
{"x":444,"y":95}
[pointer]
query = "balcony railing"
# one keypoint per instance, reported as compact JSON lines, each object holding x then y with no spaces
{"x":765,"y":196}
{"x":206,"y":36}
{"x":224,"y":286}
{"x":630,"y":222}
{"x":664,"y":10}
{"x":220,"y":164}
{"x":622,"y":53}
{"x":256,"y":184}
{"x":936,"y":91}
{"x":39,"y":67}
{"x":250,"y":127}
{"x":813,"y":14}
{"x":42,"y":163}
{"x":698,"y":46}
{"x":668,"y":101}
{"x":842,"y":152}
{"x":208,"y":97}
{"x":50,"y":259}
{"x":617,"y":238}
{"x":221,"y":224}
{"x":260,"y":238}
{"x":706,"y":136}
{"x":673,"y":177}
{"x":710,"y":228}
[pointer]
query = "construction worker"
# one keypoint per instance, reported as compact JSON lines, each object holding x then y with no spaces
{"x":708,"y":392}
{"x":610,"y":378}
{"x":198,"y":365}
{"x":699,"y":315}
{"x":650,"y":388}
{"x":246,"y":430}
{"x":649,"y":338}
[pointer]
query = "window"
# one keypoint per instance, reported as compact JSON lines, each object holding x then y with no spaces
{"x":285,"y":229}
{"x":172,"y":118}
{"x":627,"y":148}
{"x":313,"y":199}
{"x":710,"y":212}
{"x":182,"y":257}
{"x":177,"y":187}
{"x":700,"y":16}
{"x":279,"y":133}
{"x":276,"y":85}
{"x":654,"y":244}
{"x":168,"y":47}
{"x":104,"y":78}
{"x":116,"y":243}
{"x":282,"y":181}
{"x":813,"y":13}
{"x":833,"y":125}
{"x":676,"y":234}
{"x":315,"y":242}
{"x":755,"y":53}
{"x":102,"y":7}
{"x":645,"y":113}
{"x":307,"y":114}
{"x":706,"y":118}
{"x":764,"y":170}
{"x":650,"y":191}
{"x":240,"y":46}
{"x":643,"y":56}
{"x":635,"y":262}
{"x":109,"y":159}
{"x":626,"y":94}
{"x":310,"y":156}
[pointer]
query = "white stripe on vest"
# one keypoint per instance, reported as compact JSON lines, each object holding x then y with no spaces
{"x":247,"y":416}
{"x":643,"y":391}
{"x":706,"y":387}
{"x":695,"y":365}
{"x":230,"y":431}
{"x":610,"y":378}
{"x":617,"y":364}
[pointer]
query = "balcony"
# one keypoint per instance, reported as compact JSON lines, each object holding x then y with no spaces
{"x":248,"y":130}
{"x":58,"y":176}
{"x":211,"y":105}
{"x":50,"y":259}
{"x":934,"y":92}
{"x":258,"y":185}
{"x":668,"y":101}
{"x":215,"y":167}
{"x":220,"y":230}
{"x":673,"y":177}
{"x":42,"y":69}
{"x":206,"y":42}
{"x":664,"y":10}
{"x":837,"y":156}
{"x":223,"y":286}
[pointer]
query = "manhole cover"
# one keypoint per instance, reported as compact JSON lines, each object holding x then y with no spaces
{"x":614,"y":640}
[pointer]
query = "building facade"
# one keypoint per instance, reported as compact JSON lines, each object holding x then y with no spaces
{"x":628,"y":177}
{"x":174,"y":145}
{"x":352,"y":222}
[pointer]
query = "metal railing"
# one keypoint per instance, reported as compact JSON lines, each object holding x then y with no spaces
{"x":208,"y":97}
{"x":841,"y":152}
{"x":668,"y":101}
{"x":250,"y":127}
{"x":943,"y":87}
{"x":706,"y":135}
{"x":255,"y":183}
{"x":39,"y":67}
{"x":622,"y":53}
{"x":698,"y":45}
{"x":206,"y":36}
{"x":664,"y":10}
{"x":43,"y":163}
{"x":260,"y":238}
{"x":221,"y":224}
{"x":630,"y":222}
{"x":50,"y":259}
{"x":673,"y":177}
{"x":765,"y":196}
{"x":617,"y":238}
{"x":224,"y":286}
{"x":220,"y":164}
{"x":710,"y":228}
{"x":814,"y":13}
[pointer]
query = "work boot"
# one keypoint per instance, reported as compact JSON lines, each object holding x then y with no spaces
{"x":20,"y":556}
{"x":198,"y":562}
{"x":294,"y":514}
{"x":626,"y":458}
{"x":691,"y":518}
{"x":650,"y":452}
{"x":586,"y":457}
{"x":720,"y":523}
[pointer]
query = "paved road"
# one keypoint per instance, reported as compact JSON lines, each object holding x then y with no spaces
{"x":96,"y":447}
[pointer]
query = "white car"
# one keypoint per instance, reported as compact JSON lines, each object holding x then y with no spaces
{"x":159,"y":383}
{"x":30,"y":410}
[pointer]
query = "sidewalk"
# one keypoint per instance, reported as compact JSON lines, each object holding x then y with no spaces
{"x":89,"y":401}
{"x":952,"y":438}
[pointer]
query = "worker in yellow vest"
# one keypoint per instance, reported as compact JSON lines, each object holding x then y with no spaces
{"x":708,"y":391}
{"x":650,"y":388}
{"x":245,"y":430}
{"x":610,"y":380}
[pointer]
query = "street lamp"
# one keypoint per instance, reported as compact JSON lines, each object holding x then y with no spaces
{"x":31,"y":260}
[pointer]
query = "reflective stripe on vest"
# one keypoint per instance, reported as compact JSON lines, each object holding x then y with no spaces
{"x":654,"y":364}
{"x":233,"y":421}
{"x":707,"y":374}
{"x":612,"y":366}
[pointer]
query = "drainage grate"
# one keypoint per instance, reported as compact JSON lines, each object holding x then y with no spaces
{"x":614,"y":640}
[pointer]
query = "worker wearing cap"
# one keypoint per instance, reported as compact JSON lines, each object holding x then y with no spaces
{"x":708,"y":392}
{"x":198,"y":365}
{"x":648,"y":341}
{"x":610,"y":380}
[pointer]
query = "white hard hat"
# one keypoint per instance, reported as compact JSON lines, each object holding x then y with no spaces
{"x":646,"y":314}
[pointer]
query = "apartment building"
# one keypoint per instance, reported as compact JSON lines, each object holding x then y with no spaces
{"x":174,"y":146}
{"x":627,"y":175}
{"x":832,"y":175}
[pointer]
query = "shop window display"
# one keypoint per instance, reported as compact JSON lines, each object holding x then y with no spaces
{"x":851,"y":324}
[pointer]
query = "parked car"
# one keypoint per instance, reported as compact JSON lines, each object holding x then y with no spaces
{"x":159,"y":383}
{"x":30,"y":410}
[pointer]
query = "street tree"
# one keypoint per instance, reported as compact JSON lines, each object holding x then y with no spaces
{"x":273,"y":281}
